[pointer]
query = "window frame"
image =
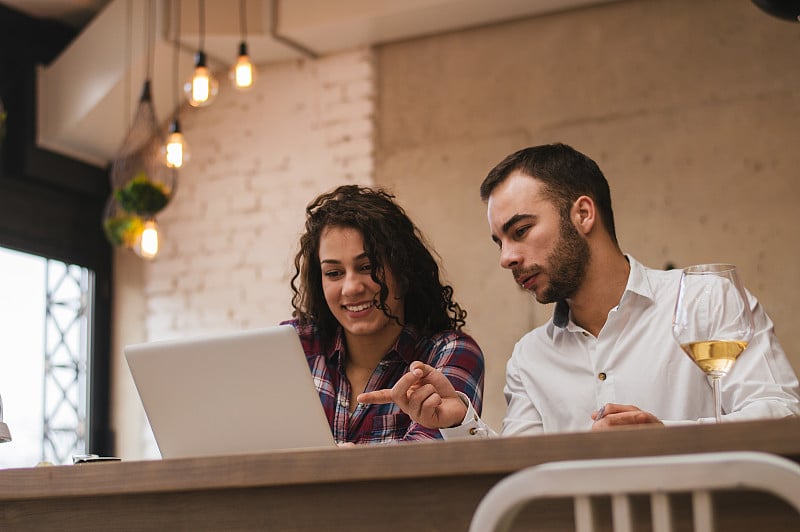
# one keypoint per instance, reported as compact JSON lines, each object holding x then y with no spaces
{"x":52,"y":205}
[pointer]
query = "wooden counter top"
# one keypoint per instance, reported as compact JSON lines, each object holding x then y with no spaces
{"x":379,"y":471}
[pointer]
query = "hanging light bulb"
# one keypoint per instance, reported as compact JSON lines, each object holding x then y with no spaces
{"x":203,"y":87}
{"x":176,"y":149}
{"x":147,"y":242}
{"x":243,"y":73}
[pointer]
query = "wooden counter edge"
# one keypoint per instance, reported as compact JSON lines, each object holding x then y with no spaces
{"x":412,"y":460}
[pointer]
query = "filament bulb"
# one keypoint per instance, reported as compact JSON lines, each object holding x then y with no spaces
{"x":147,"y":244}
{"x":243,"y":72}
{"x":203,"y":87}
{"x":176,"y":149}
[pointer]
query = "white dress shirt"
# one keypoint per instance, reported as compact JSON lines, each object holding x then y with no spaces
{"x":559,"y":373}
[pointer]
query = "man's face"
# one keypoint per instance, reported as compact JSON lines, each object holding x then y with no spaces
{"x":546,"y":254}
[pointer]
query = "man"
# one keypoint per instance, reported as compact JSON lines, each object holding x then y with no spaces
{"x":607,"y":357}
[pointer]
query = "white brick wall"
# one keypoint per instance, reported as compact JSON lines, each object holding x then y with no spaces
{"x":257,"y":158}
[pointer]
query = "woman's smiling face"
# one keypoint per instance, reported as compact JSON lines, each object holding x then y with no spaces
{"x":350,"y":291}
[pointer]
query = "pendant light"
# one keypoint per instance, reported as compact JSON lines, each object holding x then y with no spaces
{"x":202,"y":89}
{"x":242,"y":73}
{"x":142,"y":185}
{"x":176,"y":150}
{"x":146,"y":245}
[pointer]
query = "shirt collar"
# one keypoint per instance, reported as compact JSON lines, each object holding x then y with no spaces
{"x":338,"y":348}
{"x":404,"y":347}
{"x":638,"y":283}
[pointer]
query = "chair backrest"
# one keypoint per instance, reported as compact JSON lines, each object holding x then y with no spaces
{"x":619,"y":478}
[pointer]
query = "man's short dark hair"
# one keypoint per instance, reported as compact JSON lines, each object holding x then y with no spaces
{"x":566,"y":174}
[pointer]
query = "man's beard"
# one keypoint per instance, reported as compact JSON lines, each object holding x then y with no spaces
{"x":567,"y":265}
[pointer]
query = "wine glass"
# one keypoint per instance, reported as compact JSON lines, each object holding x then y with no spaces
{"x":712,"y":321}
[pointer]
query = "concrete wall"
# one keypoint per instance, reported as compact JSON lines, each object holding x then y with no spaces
{"x":690,"y":107}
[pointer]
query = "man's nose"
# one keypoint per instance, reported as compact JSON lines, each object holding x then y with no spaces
{"x":510,"y":256}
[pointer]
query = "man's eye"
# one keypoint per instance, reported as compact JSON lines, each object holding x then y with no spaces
{"x":520,"y":231}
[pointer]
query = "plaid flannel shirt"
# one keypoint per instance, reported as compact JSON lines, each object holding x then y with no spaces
{"x":455,"y":353}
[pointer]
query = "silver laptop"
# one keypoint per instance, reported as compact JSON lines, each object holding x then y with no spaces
{"x":232,"y":393}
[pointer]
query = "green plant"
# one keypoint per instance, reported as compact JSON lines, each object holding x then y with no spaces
{"x":123,"y":230}
{"x":141,"y":195}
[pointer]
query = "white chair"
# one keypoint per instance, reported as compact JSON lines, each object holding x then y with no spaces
{"x":619,"y":478}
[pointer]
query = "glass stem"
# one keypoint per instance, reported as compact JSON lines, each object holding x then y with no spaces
{"x":715,"y":384}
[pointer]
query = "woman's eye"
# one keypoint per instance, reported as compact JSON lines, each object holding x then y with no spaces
{"x":331,"y":274}
{"x":366,"y":268}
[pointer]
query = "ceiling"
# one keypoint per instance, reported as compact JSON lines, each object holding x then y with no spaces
{"x":73,"y":13}
{"x":83,"y":93}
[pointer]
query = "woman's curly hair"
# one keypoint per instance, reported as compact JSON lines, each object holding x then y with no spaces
{"x":391,"y":241}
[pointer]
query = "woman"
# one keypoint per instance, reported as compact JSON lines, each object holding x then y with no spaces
{"x":367,"y":302}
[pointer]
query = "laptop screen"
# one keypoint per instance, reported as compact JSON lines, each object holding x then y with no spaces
{"x":242,"y":392}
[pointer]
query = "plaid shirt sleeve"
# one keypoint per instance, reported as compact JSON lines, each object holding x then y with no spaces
{"x":459,"y":358}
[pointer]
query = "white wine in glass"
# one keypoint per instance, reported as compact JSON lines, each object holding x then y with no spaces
{"x":712,"y":321}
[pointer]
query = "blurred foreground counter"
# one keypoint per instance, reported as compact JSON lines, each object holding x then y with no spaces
{"x":415,"y":486}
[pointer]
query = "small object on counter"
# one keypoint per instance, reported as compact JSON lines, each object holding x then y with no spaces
{"x":91,"y":458}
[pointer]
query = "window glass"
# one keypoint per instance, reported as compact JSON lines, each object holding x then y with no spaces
{"x":44,"y":329}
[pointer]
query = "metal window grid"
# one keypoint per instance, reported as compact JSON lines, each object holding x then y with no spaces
{"x":67,"y":344}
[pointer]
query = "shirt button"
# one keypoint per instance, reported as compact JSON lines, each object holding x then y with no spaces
{"x":601,"y":376}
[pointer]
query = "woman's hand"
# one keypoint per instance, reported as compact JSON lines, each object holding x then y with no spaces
{"x":425,"y":394}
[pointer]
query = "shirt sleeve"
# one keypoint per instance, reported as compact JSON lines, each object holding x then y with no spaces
{"x":460,"y":359}
{"x":522,"y":416}
{"x":471,"y":427}
{"x":762,"y":383}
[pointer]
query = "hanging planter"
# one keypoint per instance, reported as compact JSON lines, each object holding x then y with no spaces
{"x":142,"y":195}
{"x":121,"y":228}
{"x":142,"y":184}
